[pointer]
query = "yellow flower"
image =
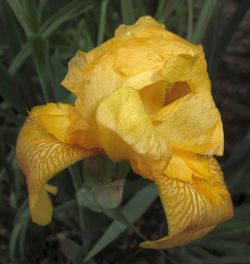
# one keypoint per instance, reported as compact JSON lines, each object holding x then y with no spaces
{"x":142,"y":96}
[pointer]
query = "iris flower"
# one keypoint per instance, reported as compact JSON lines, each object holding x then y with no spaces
{"x":142,"y":96}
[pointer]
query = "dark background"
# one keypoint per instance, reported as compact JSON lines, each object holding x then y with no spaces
{"x":39,"y":37}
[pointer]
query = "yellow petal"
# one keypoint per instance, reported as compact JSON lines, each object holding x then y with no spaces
{"x":188,"y":68}
{"x":94,"y":75}
{"x":153,"y":96}
{"x":74,"y":79}
{"x":66,"y":124}
{"x":177,"y":240}
{"x":177,"y":168}
{"x":146,"y":28}
{"x":192,"y":123}
{"x":41,"y":156}
{"x":162,"y":93}
{"x":193,"y":205}
{"x":126,"y":130}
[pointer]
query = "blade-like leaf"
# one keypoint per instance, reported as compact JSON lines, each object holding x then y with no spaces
{"x":73,"y":251}
{"x":65,"y":13}
{"x":127,"y":11}
{"x":133,"y":210}
{"x":203,"y":20}
{"x":10,"y":92}
{"x":102,"y":21}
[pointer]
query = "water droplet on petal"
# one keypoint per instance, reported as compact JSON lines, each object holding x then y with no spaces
{"x":129,"y":33}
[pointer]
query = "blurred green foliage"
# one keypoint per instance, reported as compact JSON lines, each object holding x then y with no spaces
{"x":38,"y":37}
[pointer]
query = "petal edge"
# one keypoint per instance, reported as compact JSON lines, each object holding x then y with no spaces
{"x":41,"y":156}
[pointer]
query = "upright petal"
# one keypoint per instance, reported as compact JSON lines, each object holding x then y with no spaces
{"x":194,"y":203}
{"x":41,"y":155}
{"x":126,"y":130}
{"x":192,"y":123}
{"x":135,"y":57}
{"x":74,"y":79}
{"x":188,"y":68}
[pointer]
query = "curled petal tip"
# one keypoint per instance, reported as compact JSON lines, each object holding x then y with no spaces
{"x":41,"y":156}
{"x":194,"y":203}
{"x":176,"y":240}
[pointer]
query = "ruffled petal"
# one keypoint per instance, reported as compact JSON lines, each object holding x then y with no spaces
{"x":126,"y":130}
{"x":66,"y":124}
{"x":194,"y":203}
{"x":41,"y":156}
{"x":149,"y":46}
{"x":74,"y":79}
{"x":188,"y":68}
{"x":192,"y":123}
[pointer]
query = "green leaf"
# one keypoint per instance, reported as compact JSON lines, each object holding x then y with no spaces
{"x":86,"y":199}
{"x":109,"y":196}
{"x":12,"y":30}
{"x":207,"y":11}
{"x":140,"y":8}
{"x":65,"y":207}
{"x":65,"y":13}
{"x":18,"y":8}
{"x":180,"y":13}
{"x":98,"y":170}
{"x":102,"y":197}
{"x":127,"y":11}
{"x":164,"y":9}
{"x":122,"y":170}
{"x":15,"y":234}
{"x":28,"y":18}
{"x":228,"y":247}
{"x":10,"y":91}
{"x":72,"y":250}
{"x":237,"y":230}
{"x":18,"y":233}
{"x":232,"y":225}
{"x":133,"y":210}
{"x":190,"y":20}
{"x":102,"y":21}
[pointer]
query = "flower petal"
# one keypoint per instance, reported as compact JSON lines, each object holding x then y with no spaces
{"x":66,"y":124}
{"x":188,"y":68}
{"x":194,"y":204}
{"x":41,"y":156}
{"x":126,"y":130}
{"x":74,"y":79}
{"x":193,"y":123}
{"x":96,"y":74}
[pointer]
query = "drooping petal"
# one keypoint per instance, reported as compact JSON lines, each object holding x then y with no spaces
{"x":192,"y":123}
{"x":126,"y":130}
{"x":41,"y":156}
{"x":194,"y":203}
